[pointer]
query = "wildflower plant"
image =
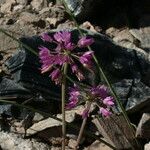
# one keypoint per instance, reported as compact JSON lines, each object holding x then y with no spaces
{"x":64,"y":55}
{"x":98,"y":95}
{"x":65,"y":52}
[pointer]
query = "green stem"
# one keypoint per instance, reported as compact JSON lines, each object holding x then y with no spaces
{"x":82,"y":127}
{"x":63,"y":91}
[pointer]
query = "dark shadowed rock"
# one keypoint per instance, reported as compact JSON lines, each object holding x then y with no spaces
{"x":118,"y":62}
{"x":139,"y":99}
{"x":123,"y":89}
{"x":82,"y":8}
{"x":11,"y":90}
{"x":24,"y":62}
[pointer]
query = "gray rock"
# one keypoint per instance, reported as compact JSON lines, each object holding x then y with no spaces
{"x":97,"y":145}
{"x":27,"y":17}
{"x":81,"y":8}
{"x":2,"y":1}
{"x":39,"y":4}
{"x":123,"y":89}
{"x":50,"y":123}
{"x":118,"y":62}
{"x":143,"y":129}
{"x":44,"y":10}
{"x":7,"y":6}
{"x":125,"y":39}
{"x":112,"y":32}
{"x":10,"y":141}
{"x":4,"y":108}
{"x":147,"y":146}
{"x":135,"y":95}
{"x":143,"y":35}
{"x":139,"y":98}
{"x":9,"y":89}
{"x":75,"y":6}
{"x":57,"y":12}
{"x":18,"y":8}
{"x":22,"y":2}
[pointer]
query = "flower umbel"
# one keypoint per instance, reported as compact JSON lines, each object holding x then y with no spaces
{"x":53,"y":60}
{"x":98,"y":95}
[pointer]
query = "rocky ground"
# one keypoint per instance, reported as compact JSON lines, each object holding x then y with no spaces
{"x":125,"y":26}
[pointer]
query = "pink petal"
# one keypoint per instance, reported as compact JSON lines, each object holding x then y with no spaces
{"x":105,"y":112}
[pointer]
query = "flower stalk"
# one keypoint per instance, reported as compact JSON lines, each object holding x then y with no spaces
{"x":63,"y":91}
{"x":82,"y":127}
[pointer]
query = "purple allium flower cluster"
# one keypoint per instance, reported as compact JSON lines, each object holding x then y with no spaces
{"x":65,"y":52}
{"x":98,"y":95}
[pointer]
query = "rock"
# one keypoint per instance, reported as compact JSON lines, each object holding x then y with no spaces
{"x":10,"y":22}
{"x":118,"y":62}
{"x":18,"y":7}
{"x":39,"y":4}
{"x":143,"y":35}
{"x":139,"y":98}
{"x":1,"y":2}
{"x":11,"y":141}
{"x":82,"y":9}
{"x":50,"y":123}
{"x":37,"y":117}
{"x":145,"y":78}
{"x":74,"y":6}
{"x":72,"y":143}
{"x":66,"y":25}
{"x":123,"y":89}
{"x":143,"y":130}
{"x":11,"y":90}
{"x":112,"y":32}
{"x":147,"y":146}
{"x":59,"y":148}
{"x":133,"y":94}
{"x":7,"y":6}
{"x":22,"y":2}
{"x":97,"y":145}
{"x":52,"y":21}
{"x":9,"y":46}
{"x":27,"y":17}
{"x":87,"y":25}
{"x":40,"y":23}
{"x":125,"y":39}
{"x":57,"y":12}
{"x":123,"y":35}
{"x":18,"y":66}
{"x":4,"y":108}
{"x":44,"y":10}
{"x":121,"y":132}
